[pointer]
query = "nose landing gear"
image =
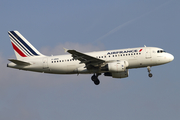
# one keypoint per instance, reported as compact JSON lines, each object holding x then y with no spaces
{"x":95,"y":79}
{"x":149,"y":71}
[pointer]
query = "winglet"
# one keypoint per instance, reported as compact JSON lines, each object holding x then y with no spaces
{"x":65,"y":50}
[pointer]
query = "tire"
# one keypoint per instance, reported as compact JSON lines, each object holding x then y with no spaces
{"x":150,"y":75}
{"x":93,"y":78}
{"x":96,"y":82}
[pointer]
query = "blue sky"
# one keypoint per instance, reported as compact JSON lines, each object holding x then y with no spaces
{"x":91,"y":26}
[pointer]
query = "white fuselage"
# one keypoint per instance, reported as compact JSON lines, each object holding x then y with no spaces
{"x":65,"y":64}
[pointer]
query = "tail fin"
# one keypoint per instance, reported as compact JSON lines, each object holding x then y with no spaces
{"x":21,"y":46}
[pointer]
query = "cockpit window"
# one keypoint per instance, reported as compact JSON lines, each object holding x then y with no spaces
{"x":161,"y":51}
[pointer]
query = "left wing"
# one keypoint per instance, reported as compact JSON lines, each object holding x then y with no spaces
{"x":84,"y":58}
{"x":19,"y":62}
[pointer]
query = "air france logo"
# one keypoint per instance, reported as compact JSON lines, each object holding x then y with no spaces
{"x":126,"y":51}
{"x":140,"y":50}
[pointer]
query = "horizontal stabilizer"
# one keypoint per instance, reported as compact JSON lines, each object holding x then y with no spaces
{"x":19,"y":62}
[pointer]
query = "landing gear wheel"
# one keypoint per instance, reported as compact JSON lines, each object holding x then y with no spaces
{"x":96,"y":82}
{"x":150,"y":75}
{"x":95,"y":79}
{"x":149,"y":70}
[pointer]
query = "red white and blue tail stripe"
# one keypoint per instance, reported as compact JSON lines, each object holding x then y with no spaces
{"x":21,"y":46}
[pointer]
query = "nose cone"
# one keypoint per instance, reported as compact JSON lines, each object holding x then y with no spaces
{"x":170,"y":57}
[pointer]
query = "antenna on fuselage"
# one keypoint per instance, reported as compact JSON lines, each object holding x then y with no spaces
{"x":144,"y":45}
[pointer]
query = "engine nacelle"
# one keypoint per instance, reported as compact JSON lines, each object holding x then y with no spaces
{"x":122,"y":74}
{"x":118,"y":66}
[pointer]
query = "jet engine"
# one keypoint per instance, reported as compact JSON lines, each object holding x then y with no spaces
{"x":118,"y":66}
{"x":117,"y":69}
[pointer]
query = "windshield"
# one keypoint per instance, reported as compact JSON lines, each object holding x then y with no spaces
{"x":161,"y":51}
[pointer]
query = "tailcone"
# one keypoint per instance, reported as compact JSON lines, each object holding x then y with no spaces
{"x":11,"y":65}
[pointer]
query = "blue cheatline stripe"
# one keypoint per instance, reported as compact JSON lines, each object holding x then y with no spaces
{"x":22,"y":41}
{"x":20,"y":44}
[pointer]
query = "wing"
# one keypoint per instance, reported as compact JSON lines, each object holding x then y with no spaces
{"x":84,"y":58}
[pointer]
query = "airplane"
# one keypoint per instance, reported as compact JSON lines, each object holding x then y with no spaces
{"x":112,"y":63}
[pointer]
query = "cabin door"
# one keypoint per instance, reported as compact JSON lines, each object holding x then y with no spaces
{"x":148,"y":53}
{"x":45,"y":63}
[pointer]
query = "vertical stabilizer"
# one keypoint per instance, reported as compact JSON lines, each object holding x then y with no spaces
{"x":21,"y":46}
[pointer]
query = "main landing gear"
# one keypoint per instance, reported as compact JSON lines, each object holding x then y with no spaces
{"x":95,"y":79}
{"x":149,"y":70}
